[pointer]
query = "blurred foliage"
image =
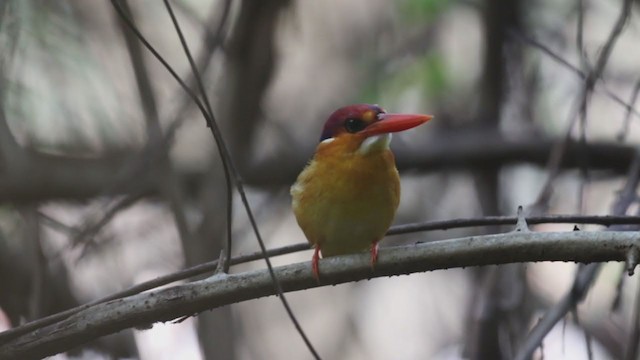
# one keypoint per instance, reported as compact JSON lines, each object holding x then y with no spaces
{"x":420,"y":11}
{"x":59,"y":92}
{"x":434,"y":75}
{"x":429,"y":74}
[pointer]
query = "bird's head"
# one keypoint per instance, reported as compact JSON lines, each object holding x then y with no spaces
{"x":365,"y":128}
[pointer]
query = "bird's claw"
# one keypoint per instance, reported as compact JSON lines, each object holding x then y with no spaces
{"x":315,"y":268}
{"x":374,"y":255}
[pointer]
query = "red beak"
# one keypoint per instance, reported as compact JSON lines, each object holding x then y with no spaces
{"x":389,"y":123}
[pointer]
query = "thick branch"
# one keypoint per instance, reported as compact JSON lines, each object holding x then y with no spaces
{"x":44,"y":177}
{"x":188,"y":299}
{"x":459,"y":150}
{"x":209,"y":267}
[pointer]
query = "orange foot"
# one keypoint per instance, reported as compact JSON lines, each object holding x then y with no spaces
{"x":374,"y":255}
{"x":314,"y":263}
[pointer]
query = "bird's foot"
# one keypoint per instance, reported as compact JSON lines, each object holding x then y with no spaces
{"x":314,"y":263}
{"x":374,"y":255}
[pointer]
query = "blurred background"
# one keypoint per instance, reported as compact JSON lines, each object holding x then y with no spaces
{"x":110,"y":177}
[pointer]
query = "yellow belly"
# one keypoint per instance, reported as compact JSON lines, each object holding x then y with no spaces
{"x":343,"y":204}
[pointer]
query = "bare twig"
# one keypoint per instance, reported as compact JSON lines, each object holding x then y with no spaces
{"x":634,"y":335}
{"x":169,"y":184}
{"x":585,"y":276}
{"x":230,"y":172}
{"x":580,"y":33}
{"x":174,"y":302}
{"x":11,"y":153}
{"x":546,"y":50}
{"x":157,"y":143}
{"x":56,"y":224}
{"x":85,"y":234}
{"x":580,"y":286}
{"x":627,"y":117}
{"x":621,"y":22}
{"x":585,"y":95}
{"x":143,"y":82}
{"x":583,"y":159}
{"x":606,"y":220}
{"x":212,"y":41}
{"x":38,"y":265}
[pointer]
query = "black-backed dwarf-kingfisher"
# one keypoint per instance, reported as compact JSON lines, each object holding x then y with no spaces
{"x":347,"y":196}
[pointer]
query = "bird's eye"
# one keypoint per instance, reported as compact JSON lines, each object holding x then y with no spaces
{"x":354,"y":125}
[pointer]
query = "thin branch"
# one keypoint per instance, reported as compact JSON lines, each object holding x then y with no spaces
{"x":145,"y":88}
{"x":212,"y":41}
{"x":232,"y":173}
{"x":546,"y":50}
{"x":576,"y":318}
{"x":155,"y":150}
{"x":85,"y":234}
{"x":158,"y":143}
{"x":592,"y":77}
{"x":605,"y":53}
{"x":585,"y":276}
{"x":581,"y":285}
{"x":169,"y":184}
{"x":32,"y":237}
{"x":606,"y":220}
{"x":627,"y":116}
{"x":580,"y":32}
{"x":227,"y":163}
{"x":634,"y":335}
{"x":584,"y":164}
{"x":11,"y":153}
{"x":166,"y":304}
{"x":56,"y":224}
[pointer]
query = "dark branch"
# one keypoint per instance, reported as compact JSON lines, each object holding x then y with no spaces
{"x":43,"y":177}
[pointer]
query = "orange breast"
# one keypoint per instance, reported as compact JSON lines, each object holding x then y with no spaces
{"x":344,"y":201}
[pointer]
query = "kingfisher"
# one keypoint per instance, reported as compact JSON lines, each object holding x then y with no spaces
{"x":346,"y":197}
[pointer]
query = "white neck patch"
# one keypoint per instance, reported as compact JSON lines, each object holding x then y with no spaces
{"x":378,"y":142}
{"x":326,"y":141}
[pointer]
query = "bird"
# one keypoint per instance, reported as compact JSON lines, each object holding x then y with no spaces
{"x":346,"y":198}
